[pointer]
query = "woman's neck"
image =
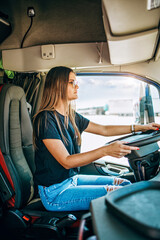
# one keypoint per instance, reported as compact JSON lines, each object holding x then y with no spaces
{"x":61,"y":108}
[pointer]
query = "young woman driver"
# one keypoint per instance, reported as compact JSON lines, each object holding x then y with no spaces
{"x":56,"y":135}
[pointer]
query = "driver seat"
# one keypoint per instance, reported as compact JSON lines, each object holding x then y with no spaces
{"x":21,"y":203}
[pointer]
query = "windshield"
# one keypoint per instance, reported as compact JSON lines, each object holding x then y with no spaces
{"x":115,"y":100}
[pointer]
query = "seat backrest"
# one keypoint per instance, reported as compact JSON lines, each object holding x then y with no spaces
{"x":16,"y":142}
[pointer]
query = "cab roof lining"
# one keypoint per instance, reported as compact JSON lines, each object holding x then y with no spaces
{"x":83,"y":22}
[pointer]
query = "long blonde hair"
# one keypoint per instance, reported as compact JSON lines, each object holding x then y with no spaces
{"x":55,"y":89}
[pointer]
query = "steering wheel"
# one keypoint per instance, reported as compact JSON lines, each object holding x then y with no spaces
{"x":145,"y":161}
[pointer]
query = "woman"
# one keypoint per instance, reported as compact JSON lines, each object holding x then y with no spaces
{"x":56,"y":136}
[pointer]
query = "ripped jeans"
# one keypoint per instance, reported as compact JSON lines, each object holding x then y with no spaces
{"x":76,"y":193}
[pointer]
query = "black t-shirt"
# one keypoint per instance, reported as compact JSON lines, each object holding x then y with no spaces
{"x":48,"y":170}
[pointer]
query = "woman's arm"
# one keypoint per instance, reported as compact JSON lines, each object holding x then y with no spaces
{"x":113,"y":130}
{"x":59,"y":152}
{"x":116,"y":149}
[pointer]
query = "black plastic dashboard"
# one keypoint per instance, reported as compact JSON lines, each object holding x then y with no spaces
{"x":147,"y":141}
{"x":145,"y":161}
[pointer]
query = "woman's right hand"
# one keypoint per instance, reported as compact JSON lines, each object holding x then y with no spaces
{"x":118,"y":149}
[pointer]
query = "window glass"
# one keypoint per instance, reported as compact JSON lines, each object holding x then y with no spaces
{"x":115,"y":100}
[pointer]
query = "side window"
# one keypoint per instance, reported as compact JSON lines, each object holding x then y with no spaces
{"x":115,"y":100}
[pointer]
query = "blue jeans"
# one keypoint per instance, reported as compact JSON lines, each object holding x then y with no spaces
{"x":75,"y":193}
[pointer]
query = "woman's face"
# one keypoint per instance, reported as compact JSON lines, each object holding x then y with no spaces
{"x":72,"y":87}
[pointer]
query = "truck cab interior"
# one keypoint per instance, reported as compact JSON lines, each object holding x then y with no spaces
{"x":114,"y":48}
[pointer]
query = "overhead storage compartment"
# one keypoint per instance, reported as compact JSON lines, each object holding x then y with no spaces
{"x":131,"y":30}
{"x":76,"y":55}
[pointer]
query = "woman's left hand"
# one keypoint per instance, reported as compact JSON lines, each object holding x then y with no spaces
{"x":150,"y":126}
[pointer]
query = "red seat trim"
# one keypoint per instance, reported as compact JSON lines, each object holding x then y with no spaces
{"x":1,"y":85}
{"x":11,"y":201}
